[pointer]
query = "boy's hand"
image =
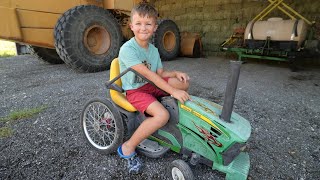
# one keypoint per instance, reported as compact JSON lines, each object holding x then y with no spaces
{"x":181,"y":95}
{"x":182,"y":76}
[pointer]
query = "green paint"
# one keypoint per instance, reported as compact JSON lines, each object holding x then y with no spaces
{"x":171,"y":138}
{"x":193,"y":142}
{"x":163,"y":143}
{"x":254,"y":53}
{"x":238,"y":169}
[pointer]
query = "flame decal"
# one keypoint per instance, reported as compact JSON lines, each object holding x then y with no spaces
{"x":207,"y":136}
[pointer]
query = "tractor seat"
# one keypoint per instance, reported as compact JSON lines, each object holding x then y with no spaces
{"x":117,"y":97}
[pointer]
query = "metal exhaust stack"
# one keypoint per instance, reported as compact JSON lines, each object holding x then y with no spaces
{"x":231,"y":90}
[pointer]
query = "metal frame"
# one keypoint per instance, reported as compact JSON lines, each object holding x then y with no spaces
{"x":236,"y":37}
{"x":285,"y":9}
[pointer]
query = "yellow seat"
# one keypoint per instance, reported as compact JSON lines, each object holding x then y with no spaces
{"x":117,"y":97}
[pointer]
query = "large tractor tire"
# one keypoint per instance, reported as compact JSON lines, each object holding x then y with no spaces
{"x":88,"y":38}
{"x":45,"y":54}
{"x":167,"y":39}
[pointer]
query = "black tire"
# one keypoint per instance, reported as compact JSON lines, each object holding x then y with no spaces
{"x":102,"y":125}
{"x":167,"y":39}
{"x":45,"y":54}
{"x":88,"y":38}
{"x":180,"y":170}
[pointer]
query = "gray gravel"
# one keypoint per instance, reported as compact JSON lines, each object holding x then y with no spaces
{"x":282,"y":106}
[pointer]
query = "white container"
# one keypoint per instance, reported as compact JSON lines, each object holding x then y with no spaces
{"x":278,"y":30}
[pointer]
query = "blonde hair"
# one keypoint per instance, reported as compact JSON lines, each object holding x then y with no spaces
{"x":144,"y":9}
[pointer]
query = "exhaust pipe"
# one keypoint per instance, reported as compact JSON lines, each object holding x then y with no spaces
{"x":231,"y":90}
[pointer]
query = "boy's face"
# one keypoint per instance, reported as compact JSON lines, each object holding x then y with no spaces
{"x":143,"y":27}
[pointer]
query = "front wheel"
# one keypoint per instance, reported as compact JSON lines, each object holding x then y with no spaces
{"x":102,"y":125}
{"x":180,"y":170}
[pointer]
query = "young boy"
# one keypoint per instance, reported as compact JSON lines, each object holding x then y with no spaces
{"x":144,"y":58}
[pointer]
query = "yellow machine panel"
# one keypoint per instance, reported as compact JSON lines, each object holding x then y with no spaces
{"x":123,"y":5}
{"x":9,"y":28}
{"x":20,"y":16}
{"x":53,"y":6}
{"x":5,"y":3}
{"x":35,"y":19}
{"x":40,"y":37}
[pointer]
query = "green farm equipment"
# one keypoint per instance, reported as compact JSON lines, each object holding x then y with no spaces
{"x":200,"y":130}
{"x":275,"y":38}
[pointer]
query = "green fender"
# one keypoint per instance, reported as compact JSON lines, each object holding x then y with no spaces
{"x":193,"y":142}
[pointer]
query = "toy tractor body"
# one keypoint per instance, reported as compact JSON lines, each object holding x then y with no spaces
{"x":200,"y":130}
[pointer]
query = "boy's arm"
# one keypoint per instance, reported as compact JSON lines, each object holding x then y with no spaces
{"x":179,"y":75}
{"x":180,"y":95}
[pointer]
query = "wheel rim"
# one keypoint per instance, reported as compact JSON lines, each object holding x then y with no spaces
{"x":169,"y":41}
{"x":99,"y":125}
{"x":97,"y":39}
{"x":177,"y":174}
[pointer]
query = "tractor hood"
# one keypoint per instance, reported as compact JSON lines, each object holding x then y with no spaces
{"x":209,"y":113}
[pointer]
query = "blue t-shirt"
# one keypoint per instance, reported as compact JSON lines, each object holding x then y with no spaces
{"x":132,"y":54}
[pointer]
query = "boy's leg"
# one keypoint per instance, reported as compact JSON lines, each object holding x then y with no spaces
{"x":174,"y":82}
{"x":159,"y":117}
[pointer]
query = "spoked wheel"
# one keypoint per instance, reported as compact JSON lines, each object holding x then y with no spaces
{"x":102,"y":125}
{"x":180,"y":170}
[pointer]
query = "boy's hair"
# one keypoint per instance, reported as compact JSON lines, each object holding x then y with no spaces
{"x":144,"y":9}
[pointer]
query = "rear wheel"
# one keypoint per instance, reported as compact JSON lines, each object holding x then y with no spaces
{"x":45,"y":54}
{"x":167,"y":39}
{"x":102,"y":125}
{"x":88,"y":38}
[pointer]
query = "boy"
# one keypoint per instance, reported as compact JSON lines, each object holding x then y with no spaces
{"x":144,"y":58}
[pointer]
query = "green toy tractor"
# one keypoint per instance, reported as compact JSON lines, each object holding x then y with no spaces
{"x":200,"y":130}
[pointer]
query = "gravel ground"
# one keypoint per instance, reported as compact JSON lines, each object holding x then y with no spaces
{"x":282,"y":106}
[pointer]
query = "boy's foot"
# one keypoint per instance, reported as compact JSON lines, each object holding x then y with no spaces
{"x":134,"y":163}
